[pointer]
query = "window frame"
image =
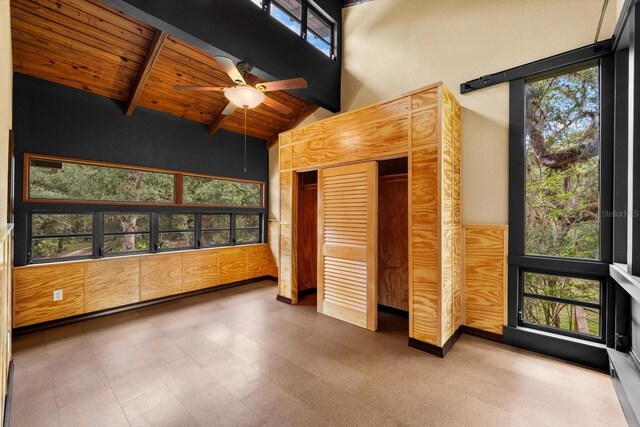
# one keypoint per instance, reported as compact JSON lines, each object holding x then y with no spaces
{"x":308,"y":5}
{"x":30,"y":236}
{"x":520,"y":262}
{"x":177,"y":181}
{"x":201,"y":229}
{"x":259,"y":228}
{"x":156,"y":221}
{"x":103,"y":234}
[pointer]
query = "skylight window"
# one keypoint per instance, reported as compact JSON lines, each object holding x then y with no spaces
{"x":319,"y":32}
{"x":288,"y":13}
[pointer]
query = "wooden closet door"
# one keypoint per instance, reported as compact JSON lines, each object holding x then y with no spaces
{"x":348,"y":243}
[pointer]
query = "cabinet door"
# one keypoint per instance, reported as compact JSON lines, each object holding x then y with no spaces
{"x":348,"y":243}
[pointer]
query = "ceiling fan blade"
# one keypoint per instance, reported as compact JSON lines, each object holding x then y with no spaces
{"x":204,"y":88}
{"x":298,"y":83}
{"x":229,"y":109}
{"x":277,"y":105}
{"x":230,"y":68}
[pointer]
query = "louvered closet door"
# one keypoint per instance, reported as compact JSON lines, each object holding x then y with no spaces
{"x":347,"y":243}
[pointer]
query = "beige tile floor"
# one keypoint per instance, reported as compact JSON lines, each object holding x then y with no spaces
{"x":239,"y":358}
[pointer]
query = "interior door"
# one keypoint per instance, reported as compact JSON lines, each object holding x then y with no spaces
{"x":348,"y":243}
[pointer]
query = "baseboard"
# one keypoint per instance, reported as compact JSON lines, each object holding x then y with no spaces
{"x":283,"y":299}
{"x":573,"y":350}
{"x":8,"y":398}
{"x":393,"y":310}
{"x":626,"y":382}
{"x":305,"y":292}
{"x":81,"y":317}
{"x":434,"y":349}
{"x":491,"y":336}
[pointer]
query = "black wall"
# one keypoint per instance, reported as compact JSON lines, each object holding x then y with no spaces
{"x":57,"y":120}
{"x":240,"y":29}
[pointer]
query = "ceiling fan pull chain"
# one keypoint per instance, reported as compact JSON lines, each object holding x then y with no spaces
{"x":245,"y":140}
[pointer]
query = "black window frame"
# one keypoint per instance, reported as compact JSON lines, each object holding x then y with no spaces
{"x":35,"y":260}
{"x":103,"y":253}
{"x":156,"y":225}
{"x":520,"y":262}
{"x":260,"y":228}
{"x":308,"y":5}
{"x":201,"y":229}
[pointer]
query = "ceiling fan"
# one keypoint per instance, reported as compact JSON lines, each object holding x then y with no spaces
{"x":247,"y":95}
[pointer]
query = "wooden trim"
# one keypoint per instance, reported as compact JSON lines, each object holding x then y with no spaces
{"x":178,"y":184}
{"x":283,"y":299}
{"x":145,"y":70}
{"x":491,"y":336}
{"x":9,"y":397}
{"x":217,"y":122}
{"x":484,"y":226}
{"x":23,"y":330}
{"x":10,"y":180}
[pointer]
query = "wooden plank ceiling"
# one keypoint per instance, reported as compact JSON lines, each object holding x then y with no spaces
{"x":88,"y":45}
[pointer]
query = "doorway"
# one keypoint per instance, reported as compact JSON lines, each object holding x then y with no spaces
{"x":307,"y":237}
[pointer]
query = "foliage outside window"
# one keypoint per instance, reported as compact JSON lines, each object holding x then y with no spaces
{"x":215,"y":230}
{"x":221,"y":192}
{"x":66,"y":180}
{"x":176,"y":231}
{"x":559,"y":302}
{"x":247,"y":229}
{"x":61,"y":236}
{"x":126,"y":232}
{"x":562,"y":165}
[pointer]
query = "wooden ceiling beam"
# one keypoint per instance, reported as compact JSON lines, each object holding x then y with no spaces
{"x":145,"y":70}
{"x":305,"y":112}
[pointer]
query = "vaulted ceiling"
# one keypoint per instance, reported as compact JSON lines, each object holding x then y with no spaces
{"x":90,"y":46}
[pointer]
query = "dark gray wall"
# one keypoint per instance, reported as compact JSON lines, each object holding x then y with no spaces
{"x":57,"y":120}
{"x":241,"y":29}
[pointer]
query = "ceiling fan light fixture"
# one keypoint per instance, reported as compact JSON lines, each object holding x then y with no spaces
{"x":244,"y":96}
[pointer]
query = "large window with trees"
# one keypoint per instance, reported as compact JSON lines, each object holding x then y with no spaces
{"x":560,"y":242}
{"x":61,"y":235}
{"x":126,"y":232}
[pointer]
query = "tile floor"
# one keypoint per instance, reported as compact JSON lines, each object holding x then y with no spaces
{"x":240,"y":358}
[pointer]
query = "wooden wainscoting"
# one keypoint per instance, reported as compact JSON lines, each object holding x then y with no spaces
{"x":485,"y":276}
{"x":100,"y":284}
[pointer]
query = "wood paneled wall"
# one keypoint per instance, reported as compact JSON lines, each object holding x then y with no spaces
{"x":424,"y":125}
{"x":5,"y":314}
{"x":393,"y":242}
{"x":99,"y":284}
{"x":307,"y":249}
{"x":485,"y":276}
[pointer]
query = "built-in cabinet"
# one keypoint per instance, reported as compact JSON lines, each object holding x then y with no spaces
{"x":94,"y":285}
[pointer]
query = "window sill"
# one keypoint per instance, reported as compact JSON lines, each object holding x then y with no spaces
{"x":626,"y":380}
{"x":628,"y":282}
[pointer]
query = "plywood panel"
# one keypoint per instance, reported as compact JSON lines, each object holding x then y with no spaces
{"x":485,"y":276}
{"x":200,"y":269}
{"x":347,"y":270}
{"x":425,"y":195}
{"x":112,"y":283}
{"x":274,"y":247}
{"x":307,"y":243}
{"x":232,"y":265}
{"x":425,"y":97}
{"x":160,"y":275}
{"x":33,"y":292}
{"x":425,"y":127}
{"x":393,"y":250}
{"x":425,"y":274}
{"x":362,"y":135}
{"x":257,"y":261}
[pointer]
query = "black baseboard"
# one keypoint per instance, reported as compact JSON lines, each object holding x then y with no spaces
{"x":81,"y":317}
{"x":491,"y":336}
{"x":8,"y":397}
{"x":393,"y":310}
{"x":572,"y":350}
{"x":626,"y":382}
{"x":434,"y":349}
{"x":305,"y":292}
{"x":283,"y":299}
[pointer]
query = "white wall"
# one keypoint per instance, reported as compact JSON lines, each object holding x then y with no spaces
{"x":6,"y":83}
{"x":394,"y":46}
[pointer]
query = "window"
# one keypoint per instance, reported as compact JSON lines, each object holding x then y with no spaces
{"x":126,"y":232}
{"x":53,"y":179}
{"x":247,"y":229}
{"x":68,"y":235}
{"x":257,"y":3}
{"x":215,"y":230}
{"x":319,"y":32}
{"x":560,"y":193}
{"x":176,"y":231}
{"x":563,"y":165}
{"x":288,"y":13}
{"x":221,"y":192}
{"x":560,"y":302}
